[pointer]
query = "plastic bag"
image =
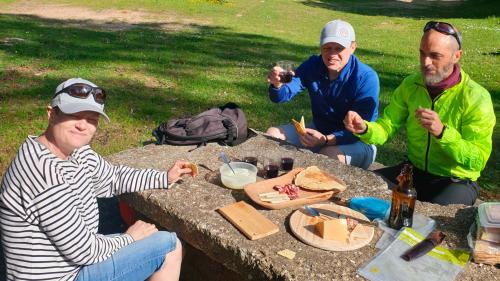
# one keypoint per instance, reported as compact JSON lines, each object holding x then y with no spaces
{"x":422,"y":224}
{"x":371,"y":207}
{"x":440,"y":264}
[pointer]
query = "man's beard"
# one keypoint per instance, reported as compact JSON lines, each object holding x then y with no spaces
{"x":438,"y":77}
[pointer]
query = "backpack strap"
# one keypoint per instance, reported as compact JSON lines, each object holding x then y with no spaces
{"x":232,"y":130}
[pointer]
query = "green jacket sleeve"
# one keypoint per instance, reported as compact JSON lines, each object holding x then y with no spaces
{"x":471,"y":147}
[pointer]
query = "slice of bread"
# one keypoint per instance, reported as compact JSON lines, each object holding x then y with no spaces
{"x":312,"y":178}
{"x":194,"y":169}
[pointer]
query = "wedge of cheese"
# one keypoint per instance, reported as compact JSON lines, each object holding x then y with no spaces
{"x":334,"y":229}
{"x":300,"y":127}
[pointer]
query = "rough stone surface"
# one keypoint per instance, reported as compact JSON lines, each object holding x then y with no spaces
{"x":190,"y":210}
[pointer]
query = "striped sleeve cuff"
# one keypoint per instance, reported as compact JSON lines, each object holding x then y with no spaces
{"x":125,"y":239}
{"x":159,"y":181}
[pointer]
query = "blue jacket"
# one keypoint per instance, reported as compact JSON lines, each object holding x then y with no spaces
{"x":356,"y":88}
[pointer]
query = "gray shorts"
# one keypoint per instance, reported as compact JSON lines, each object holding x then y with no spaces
{"x":357,"y":154}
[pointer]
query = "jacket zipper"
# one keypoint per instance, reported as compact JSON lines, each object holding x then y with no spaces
{"x":429,"y":135}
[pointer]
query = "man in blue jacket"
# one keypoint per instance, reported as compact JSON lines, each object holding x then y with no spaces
{"x":337,"y":83}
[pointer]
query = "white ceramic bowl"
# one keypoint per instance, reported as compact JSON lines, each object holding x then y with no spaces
{"x":245,"y":173}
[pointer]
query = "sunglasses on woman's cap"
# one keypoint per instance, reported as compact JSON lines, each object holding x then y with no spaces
{"x":445,"y":28}
{"x":82,"y":91}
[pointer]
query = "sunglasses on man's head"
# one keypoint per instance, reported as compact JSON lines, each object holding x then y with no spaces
{"x":445,"y":28}
{"x":82,"y":91}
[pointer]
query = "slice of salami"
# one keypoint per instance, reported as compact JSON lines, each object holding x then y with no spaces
{"x":289,"y":189}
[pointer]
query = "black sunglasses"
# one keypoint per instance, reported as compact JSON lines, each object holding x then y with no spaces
{"x":82,"y":91}
{"x":445,"y":28}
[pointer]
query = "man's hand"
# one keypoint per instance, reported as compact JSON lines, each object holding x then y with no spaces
{"x":430,"y":121}
{"x":274,"y":77}
{"x":179,"y":169}
{"x":354,"y":123}
{"x":140,"y":230}
{"x":312,"y":138}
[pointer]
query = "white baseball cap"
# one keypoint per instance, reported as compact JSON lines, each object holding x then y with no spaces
{"x":69,"y":105}
{"x":337,"y":31}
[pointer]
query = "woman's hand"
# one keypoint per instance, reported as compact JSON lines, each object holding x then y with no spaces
{"x":140,"y":230}
{"x":179,"y":169}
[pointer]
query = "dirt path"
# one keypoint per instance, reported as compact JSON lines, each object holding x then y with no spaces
{"x":110,"y":19}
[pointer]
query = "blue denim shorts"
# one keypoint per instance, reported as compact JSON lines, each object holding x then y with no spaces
{"x":136,"y":261}
{"x":357,"y":154}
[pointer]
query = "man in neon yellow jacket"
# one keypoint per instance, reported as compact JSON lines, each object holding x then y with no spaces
{"x":449,"y":120}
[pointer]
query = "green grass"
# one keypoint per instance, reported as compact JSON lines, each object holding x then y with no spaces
{"x":217,"y":51}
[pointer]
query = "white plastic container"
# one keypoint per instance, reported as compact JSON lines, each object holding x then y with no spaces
{"x":488,"y":223}
{"x":244,"y":173}
{"x":489,"y":214}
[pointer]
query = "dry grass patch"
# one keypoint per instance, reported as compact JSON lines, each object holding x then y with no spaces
{"x":106,"y":19}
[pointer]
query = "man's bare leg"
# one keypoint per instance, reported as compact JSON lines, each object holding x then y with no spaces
{"x":334,"y":152}
{"x":276,"y":132}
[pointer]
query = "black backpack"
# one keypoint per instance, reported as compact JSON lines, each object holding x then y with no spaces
{"x":226,"y":124}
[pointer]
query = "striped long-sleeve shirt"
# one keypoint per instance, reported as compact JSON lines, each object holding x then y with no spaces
{"x":49,"y":214}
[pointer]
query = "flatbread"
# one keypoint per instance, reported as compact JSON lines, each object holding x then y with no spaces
{"x":300,"y":127}
{"x":312,"y":178}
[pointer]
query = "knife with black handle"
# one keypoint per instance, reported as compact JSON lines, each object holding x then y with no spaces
{"x":425,"y":246}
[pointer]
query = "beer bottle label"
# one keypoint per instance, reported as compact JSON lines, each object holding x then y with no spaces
{"x":406,"y":215}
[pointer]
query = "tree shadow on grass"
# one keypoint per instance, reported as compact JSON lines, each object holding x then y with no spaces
{"x":416,"y":9}
{"x":150,"y":73}
{"x":175,"y":61}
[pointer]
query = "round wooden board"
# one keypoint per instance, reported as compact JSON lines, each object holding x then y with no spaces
{"x":302,"y":225}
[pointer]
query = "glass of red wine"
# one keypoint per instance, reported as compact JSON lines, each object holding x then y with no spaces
{"x":271,"y":167}
{"x":286,"y":73}
{"x":287,"y":157}
{"x":251,"y":160}
{"x":286,"y":164}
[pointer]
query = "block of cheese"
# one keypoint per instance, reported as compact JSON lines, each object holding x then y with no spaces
{"x":334,"y":229}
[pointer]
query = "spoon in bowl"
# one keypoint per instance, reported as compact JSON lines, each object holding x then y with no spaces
{"x":224,"y":158}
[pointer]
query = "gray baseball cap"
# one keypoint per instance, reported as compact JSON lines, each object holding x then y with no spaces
{"x":69,"y":105}
{"x":338,"y":31}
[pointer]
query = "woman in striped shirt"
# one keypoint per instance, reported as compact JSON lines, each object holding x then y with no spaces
{"x":48,"y":202}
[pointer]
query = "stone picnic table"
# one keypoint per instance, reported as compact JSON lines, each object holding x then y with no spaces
{"x":190,"y":210}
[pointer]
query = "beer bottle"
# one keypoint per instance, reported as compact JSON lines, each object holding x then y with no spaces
{"x":403,"y":200}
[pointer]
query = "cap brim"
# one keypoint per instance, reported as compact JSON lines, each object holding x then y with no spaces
{"x":70,"y":108}
{"x":69,"y":105}
{"x":342,"y":41}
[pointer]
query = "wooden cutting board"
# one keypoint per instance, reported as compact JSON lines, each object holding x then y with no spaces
{"x":305,"y":196}
{"x":248,"y":220}
{"x":302,"y":225}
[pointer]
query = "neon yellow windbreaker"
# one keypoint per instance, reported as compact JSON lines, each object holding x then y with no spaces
{"x":465,"y":109}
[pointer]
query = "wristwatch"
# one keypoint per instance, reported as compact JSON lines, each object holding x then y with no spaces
{"x":442,"y":132}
